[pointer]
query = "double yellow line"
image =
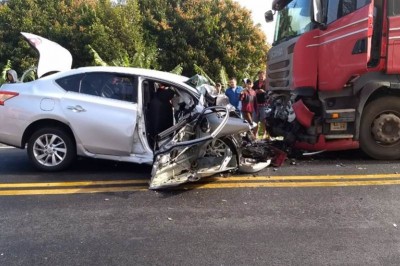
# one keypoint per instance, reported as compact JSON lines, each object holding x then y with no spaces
{"x":54,"y":188}
{"x":81,"y":187}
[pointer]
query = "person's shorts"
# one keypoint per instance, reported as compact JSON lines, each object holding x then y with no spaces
{"x":260,"y":114}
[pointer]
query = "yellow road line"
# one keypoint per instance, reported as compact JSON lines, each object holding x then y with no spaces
{"x":216,"y":179}
{"x":293,"y":184}
{"x":199,"y":186}
{"x":305,"y":177}
{"x":70,"y":191}
{"x":74,"y":184}
{"x":53,"y":188}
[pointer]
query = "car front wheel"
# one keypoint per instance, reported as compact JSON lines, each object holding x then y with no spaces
{"x":51,"y":149}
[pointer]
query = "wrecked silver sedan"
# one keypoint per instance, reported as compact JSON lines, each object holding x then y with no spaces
{"x":123,"y":114}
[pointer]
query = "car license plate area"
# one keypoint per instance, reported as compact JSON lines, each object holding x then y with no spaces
{"x":338,"y":126}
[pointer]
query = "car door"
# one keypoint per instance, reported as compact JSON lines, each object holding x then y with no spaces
{"x":101,"y":115}
{"x":178,"y":159}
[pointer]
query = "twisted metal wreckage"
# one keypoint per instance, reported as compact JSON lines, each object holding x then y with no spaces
{"x":209,"y":142}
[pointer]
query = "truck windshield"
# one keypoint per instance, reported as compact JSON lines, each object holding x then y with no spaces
{"x":293,"y":20}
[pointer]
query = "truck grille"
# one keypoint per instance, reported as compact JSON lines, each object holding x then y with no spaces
{"x":279,"y":75}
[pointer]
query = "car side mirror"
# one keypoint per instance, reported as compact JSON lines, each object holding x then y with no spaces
{"x":269,"y":16}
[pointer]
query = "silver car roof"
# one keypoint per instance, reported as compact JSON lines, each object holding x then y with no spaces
{"x":147,"y":73}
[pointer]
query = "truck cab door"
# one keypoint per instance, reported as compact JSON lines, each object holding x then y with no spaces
{"x":393,"y":48}
{"x":344,"y":46}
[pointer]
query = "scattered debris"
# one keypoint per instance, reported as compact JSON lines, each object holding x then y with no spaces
{"x":262,"y":150}
{"x":169,"y":219}
{"x":312,"y":153}
{"x":395,"y":225}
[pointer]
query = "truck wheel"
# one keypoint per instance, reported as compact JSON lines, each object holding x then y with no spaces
{"x":380,"y":129}
{"x":51,"y":149}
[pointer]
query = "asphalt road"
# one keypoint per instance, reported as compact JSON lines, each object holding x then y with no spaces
{"x":332,"y":209}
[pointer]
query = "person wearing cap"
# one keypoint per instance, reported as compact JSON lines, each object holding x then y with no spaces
{"x":11,"y":76}
{"x":248,"y":99}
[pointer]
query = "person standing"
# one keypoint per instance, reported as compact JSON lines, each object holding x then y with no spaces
{"x":233,"y":93}
{"x":11,"y":76}
{"x":218,"y":88}
{"x":260,"y":87}
{"x":248,"y":98}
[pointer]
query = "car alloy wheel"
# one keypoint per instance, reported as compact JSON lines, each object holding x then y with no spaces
{"x":51,"y":149}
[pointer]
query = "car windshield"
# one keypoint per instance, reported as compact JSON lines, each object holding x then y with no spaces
{"x":197,"y":80}
{"x":293,"y":20}
{"x":202,"y":85}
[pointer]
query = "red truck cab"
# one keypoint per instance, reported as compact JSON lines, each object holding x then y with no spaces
{"x":334,"y":75}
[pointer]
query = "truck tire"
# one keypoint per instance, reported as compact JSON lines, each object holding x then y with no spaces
{"x":51,"y":149}
{"x":380,"y":128}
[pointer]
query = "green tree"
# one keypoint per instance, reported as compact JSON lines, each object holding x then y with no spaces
{"x":211,"y":34}
{"x":114,"y":31}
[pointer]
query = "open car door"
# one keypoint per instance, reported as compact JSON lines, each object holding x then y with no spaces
{"x":196,"y":149}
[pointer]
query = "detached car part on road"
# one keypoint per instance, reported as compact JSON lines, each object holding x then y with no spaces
{"x":104,"y":112}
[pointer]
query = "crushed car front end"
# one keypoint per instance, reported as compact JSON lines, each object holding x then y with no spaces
{"x":207,"y":143}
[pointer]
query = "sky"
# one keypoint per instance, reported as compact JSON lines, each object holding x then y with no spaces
{"x":258,"y":8}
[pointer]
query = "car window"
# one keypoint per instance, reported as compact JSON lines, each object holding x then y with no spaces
{"x":110,"y":85}
{"x":70,"y":83}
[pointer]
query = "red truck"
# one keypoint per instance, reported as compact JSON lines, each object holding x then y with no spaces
{"x":334,"y":75}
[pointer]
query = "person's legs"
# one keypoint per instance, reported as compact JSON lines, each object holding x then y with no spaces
{"x":247,"y":117}
{"x":263,"y":121}
{"x":256,"y":119}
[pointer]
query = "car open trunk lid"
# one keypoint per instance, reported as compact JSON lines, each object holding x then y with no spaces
{"x":52,"y":56}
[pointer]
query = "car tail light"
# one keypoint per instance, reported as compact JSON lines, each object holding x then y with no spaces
{"x":6,"y":95}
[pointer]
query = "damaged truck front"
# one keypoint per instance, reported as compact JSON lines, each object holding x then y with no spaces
{"x":334,"y":75}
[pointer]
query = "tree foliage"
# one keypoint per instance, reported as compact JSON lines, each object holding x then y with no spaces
{"x":114,"y":31}
{"x":208,"y":33}
{"x":216,"y":36}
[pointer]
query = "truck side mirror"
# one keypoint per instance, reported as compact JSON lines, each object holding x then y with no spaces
{"x":269,"y":16}
{"x":318,"y":17}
